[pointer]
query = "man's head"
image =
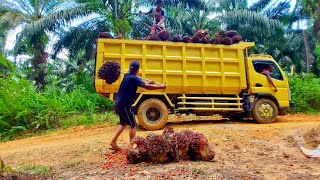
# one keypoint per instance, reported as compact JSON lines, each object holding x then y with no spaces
{"x":270,"y":68}
{"x":159,"y":3}
{"x":134,"y":67}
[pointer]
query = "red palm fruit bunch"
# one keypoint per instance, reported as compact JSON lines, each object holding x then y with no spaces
{"x":164,"y":35}
{"x":217,"y":37}
{"x":231,"y":33}
{"x":169,"y":147}
{"x":223,"y":37}
{"x":226,"y":40}
{"x":183,"y":139}
{"x":197,"y":37}
{"x":205,"y":40}
{"x":186,"y":39}
{"x":105,"y":35}
{"x":199,"y":148}
{"x":236,"y":38}
{"x":158,"y":148}
{"x":176,"y":38}
{"x":110,"y":71}
{"x":171,"y":138}
{"x":152,"y":37}
{"x":201,"y":33}
{"x":119,"y":36}
{"x":138,"y":152}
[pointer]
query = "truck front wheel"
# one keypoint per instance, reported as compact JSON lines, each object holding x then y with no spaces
{"x":152,"y":114}
{"x":265,"y":111}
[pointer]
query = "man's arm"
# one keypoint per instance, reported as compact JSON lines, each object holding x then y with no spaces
{"x":146,"y":13}
{"x":163,"y":14}
{"x":270,"y":80}
{"x":149,"y":86}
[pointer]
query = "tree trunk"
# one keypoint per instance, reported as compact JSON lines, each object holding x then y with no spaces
{"x":309,"y":56}
{"x":38,"y":63}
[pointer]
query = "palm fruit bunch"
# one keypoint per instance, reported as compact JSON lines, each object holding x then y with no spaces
{"x":199,"y":148}
{"x":176,"y":38}
{"x":230,"y":37}
{"x":226,"y":40}
{"x":164,"y":35}
{"x":231,"y":33}
{"x":170,"y":147}
{"x":201,"y":33}
{"x":105,"y":35}
{"x":216,"y":38}
{"x":158,"y":148}
{"x":186,"y":39}
{"x":152,"y":37}
{"x":171,"y":138}
{"x":183,"y":140}
{"x":110,"y":71}
{"x":195,"y":39}
{"x":138,"y":152}
{"x":236,"y":38}
{"x":205,"y":39}
{"x":119,"y":36}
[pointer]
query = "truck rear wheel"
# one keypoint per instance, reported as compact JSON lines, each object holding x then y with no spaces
{"x":152,"y":114}
{"x":265,"y":111}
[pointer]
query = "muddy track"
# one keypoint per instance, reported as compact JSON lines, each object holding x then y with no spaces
{"x":243,"y":150}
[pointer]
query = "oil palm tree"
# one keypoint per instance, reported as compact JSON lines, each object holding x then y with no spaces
{"x":115,"y":16}
{"x":37,"y":18}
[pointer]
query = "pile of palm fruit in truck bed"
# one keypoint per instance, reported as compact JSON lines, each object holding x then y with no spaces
{"x":201,"y":36}
{"x":170,"y":147}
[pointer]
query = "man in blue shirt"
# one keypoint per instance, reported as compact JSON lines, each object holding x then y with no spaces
{"x":126,"y":97}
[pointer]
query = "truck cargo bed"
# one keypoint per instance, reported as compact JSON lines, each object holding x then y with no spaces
{"x":186,"y":68}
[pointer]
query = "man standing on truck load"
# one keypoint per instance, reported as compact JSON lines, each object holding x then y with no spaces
{"x":268,"y":73}
{"x":159,"y":14}
{"x":125,"y":99}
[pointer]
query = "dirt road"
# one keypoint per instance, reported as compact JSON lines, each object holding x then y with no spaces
{"x":244,"y":150}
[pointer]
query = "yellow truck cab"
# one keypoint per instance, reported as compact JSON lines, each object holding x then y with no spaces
{"x":202,"y":79}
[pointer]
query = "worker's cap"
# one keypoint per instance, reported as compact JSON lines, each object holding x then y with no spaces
{"x":134,"y":66}
{"x":159,"y":2}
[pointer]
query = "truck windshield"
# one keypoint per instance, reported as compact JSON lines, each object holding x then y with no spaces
{"x":260,"y":66}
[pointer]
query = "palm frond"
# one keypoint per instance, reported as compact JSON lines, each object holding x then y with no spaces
{"x":280,"y":10}
{"x":263,"y":23}
{"x":80,"y":37}
{"x":260,"y":5}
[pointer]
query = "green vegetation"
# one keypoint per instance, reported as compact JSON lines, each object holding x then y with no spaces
{"x":35,"y":169}
{"x":196,"y":171}
{"x":24,"y":109}
{"x":305,"y":90}
{"x":4,"y":170}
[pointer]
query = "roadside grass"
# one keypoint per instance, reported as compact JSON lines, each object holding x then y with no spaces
{"x":89,"y":120}
{"x":35,"y":169}
{"x":196,"y":171}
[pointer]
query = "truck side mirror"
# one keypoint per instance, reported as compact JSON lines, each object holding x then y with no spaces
{"x":291,"y":71}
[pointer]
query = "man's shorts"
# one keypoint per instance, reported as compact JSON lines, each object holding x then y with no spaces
{"x":126,"y":116}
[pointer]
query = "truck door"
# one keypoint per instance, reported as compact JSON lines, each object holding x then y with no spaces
{"x":261,"y":85}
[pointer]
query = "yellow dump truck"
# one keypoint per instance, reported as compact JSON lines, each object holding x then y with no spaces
{"x":202,"y":79}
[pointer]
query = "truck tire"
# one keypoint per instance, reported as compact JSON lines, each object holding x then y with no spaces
{"x":152,"y":114}
{"x":265,"y":111}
